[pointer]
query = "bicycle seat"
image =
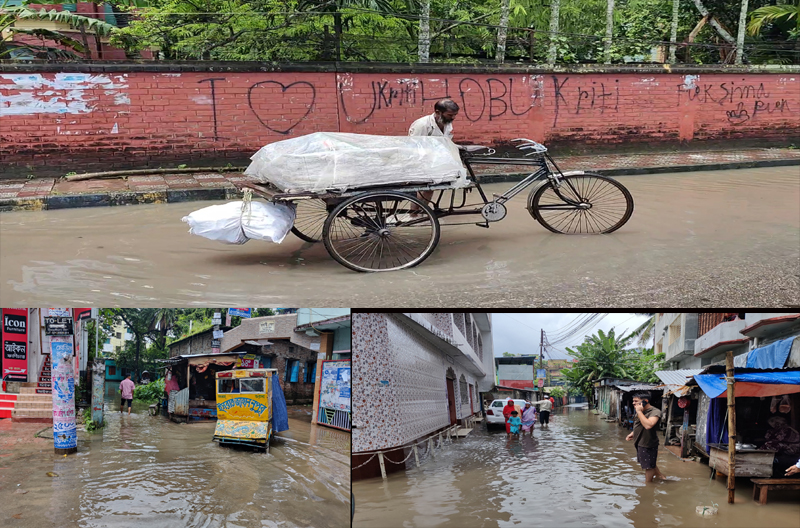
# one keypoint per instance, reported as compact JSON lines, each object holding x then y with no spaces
{"x":529,"y":144}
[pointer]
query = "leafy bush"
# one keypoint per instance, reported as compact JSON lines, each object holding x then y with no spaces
{"x":150,"y":393}
{"x":557,"y":392}
{"x":87,"y":421}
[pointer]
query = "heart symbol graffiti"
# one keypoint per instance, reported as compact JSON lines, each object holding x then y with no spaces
{"x":284,"y":89}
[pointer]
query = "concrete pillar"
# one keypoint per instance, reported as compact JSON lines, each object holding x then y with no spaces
{"x":325,"y":353}
{"x":98,"y":389}
{"x":65,"y":435}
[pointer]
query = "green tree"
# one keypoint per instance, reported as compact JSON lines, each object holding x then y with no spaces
{"x":140,"y":322}
{"x":11,"y":15}
{"x":599,"y":356}
{"x":644,"y":332}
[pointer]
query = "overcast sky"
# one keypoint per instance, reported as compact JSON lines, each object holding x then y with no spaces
{"x":519,"y":333}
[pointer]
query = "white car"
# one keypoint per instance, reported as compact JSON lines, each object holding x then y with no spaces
{"x":494,"y":414}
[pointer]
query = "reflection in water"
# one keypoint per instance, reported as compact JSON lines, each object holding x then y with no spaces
{"x":147,"y":471}
{"x":579,"y":473}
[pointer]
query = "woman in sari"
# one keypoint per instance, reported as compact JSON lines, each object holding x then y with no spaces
{"x":528,"y":418}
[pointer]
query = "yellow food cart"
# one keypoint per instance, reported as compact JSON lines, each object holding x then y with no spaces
{"x":244,"y":407}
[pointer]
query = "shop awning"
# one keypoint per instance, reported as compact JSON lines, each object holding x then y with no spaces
{"x":751,"y":384}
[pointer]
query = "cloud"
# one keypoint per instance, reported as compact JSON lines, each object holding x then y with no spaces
{"x":519,"y":333}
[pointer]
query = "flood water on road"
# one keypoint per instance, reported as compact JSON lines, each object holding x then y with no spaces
{"x":579,"y":473}
{"x":700,"y":239}
{"x":147,"y":471}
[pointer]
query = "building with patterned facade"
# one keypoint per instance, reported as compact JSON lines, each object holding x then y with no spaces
{"x":414,"y":374}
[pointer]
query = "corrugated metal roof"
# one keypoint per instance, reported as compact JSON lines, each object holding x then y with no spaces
{"x":675,"y":380}
{"x":638,"y":386}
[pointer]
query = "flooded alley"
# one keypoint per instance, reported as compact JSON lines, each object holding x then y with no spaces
{"x":148,"y":471}
{"x":579,"y":473}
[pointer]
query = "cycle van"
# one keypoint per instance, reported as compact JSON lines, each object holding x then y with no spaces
{"x":244,"y":407}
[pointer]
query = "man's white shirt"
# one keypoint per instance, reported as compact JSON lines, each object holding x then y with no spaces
{"x":426,"y":126}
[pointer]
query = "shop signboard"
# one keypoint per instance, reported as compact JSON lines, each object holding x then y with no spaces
{"x":15,"y":344}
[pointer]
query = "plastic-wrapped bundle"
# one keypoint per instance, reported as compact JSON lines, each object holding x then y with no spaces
{"x":238,"y":222}
{"x":333,"y":161}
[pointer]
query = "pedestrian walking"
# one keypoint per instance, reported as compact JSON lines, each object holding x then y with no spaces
{"x":528,"y":418}
{"x":507,"y":410}
{"x":514,"y":422}
{"x":645,"y":435}
{"x":126,"y":393}
{"x":544,"y":411}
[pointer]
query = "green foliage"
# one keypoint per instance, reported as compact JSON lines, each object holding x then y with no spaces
{"x":150,"y":393}
{"x":10,"y":15}
{"x":88,"y":424}
{"x":607,"y":356}
{"x":557,"y":392}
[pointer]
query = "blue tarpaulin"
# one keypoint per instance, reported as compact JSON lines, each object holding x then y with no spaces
{"x":771,"y":356}
{"x":714,"y":384}
{"x":716,"y":430}
{"x":280,"y":416}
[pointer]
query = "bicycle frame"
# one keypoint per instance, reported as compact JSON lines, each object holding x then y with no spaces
{"x":542,"y":171}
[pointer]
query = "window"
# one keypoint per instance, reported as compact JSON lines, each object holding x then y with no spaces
{"x":497,"y":404}
{"x":253,"y":385}
{"x":107,"y":341}
{"x":311,"y":372}
{"x":266,"y":361}
{"x":292,"y":370}
{"x":228,"y":386}
{"x":112,"y":370}
{"x":118,"y":335}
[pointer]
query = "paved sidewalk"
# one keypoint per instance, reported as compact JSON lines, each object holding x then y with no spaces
{"x":47,"y":193}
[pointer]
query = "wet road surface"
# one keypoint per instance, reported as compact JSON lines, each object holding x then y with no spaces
{"x":147,"y":471}
{"x":579,"y":473}
{"x":703,"y":239}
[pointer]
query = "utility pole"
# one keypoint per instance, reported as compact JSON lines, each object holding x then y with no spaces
{"x":541,"y":361}
{"x":731,"y":426}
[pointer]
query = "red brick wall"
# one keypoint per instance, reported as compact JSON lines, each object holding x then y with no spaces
{"x":145,"y":118}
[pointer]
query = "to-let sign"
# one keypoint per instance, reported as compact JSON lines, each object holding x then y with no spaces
{"x":58,"y":326}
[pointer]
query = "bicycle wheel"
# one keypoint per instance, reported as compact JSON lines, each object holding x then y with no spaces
{"x":310,"y":219}
{"x":381,"y":231}
{"x":603,"y":205}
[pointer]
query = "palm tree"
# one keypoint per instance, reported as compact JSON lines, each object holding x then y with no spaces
{"x":644,"y":331}
{"x":773,"y":13}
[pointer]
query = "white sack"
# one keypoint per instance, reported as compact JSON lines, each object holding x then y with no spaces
{"x":267,"y":221}
{"x":336,"y":161}
{"x":218,"y":222}
{"x":237,"y":222}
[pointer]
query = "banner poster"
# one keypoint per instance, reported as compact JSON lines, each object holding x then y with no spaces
{"x":335,"y":385}
{"x":15,"y":344}
{"x":63,"y":382}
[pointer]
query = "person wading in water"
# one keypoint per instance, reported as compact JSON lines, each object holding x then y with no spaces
{"x":645,"y":435}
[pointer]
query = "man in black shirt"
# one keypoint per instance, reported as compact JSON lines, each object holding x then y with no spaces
{"x":645,"y":435}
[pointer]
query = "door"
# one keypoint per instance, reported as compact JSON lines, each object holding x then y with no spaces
{"x":471,"y":400}
{"x":451,"y":401}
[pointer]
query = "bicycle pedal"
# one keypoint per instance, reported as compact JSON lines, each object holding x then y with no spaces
{"x":485,"y":224}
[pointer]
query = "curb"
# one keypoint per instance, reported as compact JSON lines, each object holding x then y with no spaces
{"x":74,"y":201}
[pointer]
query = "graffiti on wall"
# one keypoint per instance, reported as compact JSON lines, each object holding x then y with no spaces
{"x":596,"y":97}
{"x":488,"y":99}
{"x":741,"y":101}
